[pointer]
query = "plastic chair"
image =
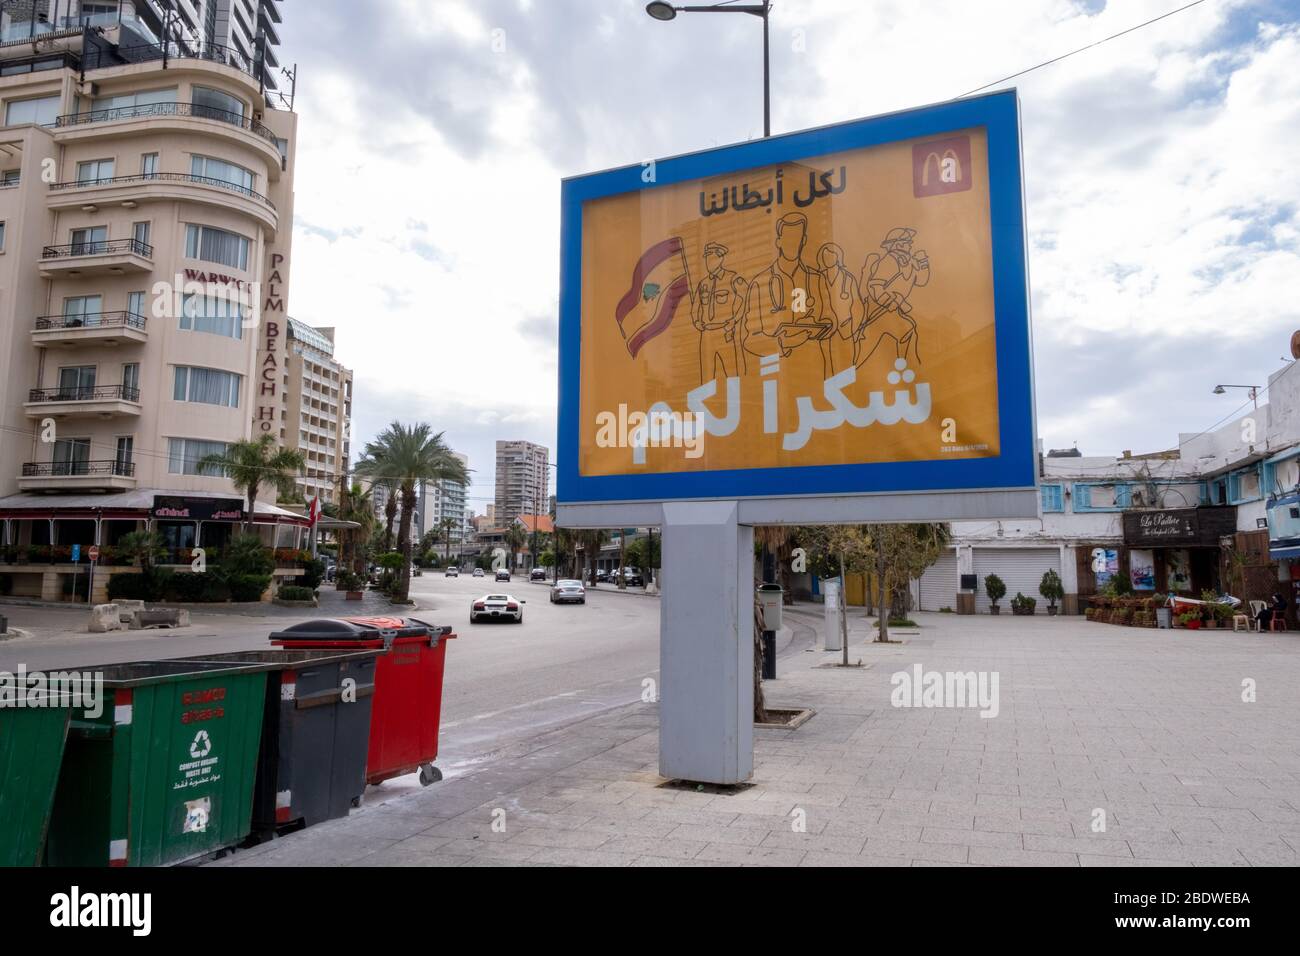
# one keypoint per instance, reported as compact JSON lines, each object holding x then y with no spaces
{"x":1255,"y":608}
{"x":1240,"y":622}
{"x":1278,"y":623}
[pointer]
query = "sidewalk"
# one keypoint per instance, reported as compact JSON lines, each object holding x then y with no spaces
{"x":1145,"y":725}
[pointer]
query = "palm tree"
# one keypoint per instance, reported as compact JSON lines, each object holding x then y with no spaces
{"x":447,"y":524}
{"x":390,"y":515}
{"x":591,"y":539}
{"x":403,"y":456}
{"x":254,"y":463}
{"x":356,"y":503}
{"x":515,"y":537}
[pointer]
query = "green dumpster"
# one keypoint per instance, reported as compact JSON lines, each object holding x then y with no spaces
{"x":31,"y":751}
{"x":166,"y":773}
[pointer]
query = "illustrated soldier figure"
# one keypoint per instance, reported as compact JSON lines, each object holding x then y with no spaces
{"x":886,"y":285}
{"x":719,"y":304}
{"x":845,"y":306}
{"x":787,"y":306}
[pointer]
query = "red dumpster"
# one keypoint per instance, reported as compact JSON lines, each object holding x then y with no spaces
{"x":407,"y":705}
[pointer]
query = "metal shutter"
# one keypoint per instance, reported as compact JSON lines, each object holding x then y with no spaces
{"x":939,"y":583}
{"x":1021,"y":569}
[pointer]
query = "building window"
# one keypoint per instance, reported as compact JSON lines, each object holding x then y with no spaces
{"x":71,"y":456}
{"x":214,"y":104}
{"x":212,"y":313}
{"x":76,"y":382}
{"x":184,"y":455}
{"x":131,"y":381}
{"x":135,"y":303}
{"x":149,"y":164}
{"x":210,"y":386}
{"x":140,"y":103}
{"x":89,"y":241}
{"x":83,"y":310}
{"x":2,"y":235}
{"x":125,"y":452}
{"x":11,"y":177}
{"x":93,"y":170}
{"x":43,"y":111}
{"x":216,"y":245}
{"x":235,"y":176}
{"x":1052,"y":497}
{"x":140,"y":233}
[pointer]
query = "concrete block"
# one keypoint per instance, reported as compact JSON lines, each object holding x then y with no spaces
{"x":103,"y":618}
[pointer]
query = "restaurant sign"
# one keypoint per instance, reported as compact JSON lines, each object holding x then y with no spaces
{"x":1158,"y":527}
{"x":197,"y":509}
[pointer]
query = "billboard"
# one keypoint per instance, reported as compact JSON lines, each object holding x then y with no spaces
{"x":840,"y":312}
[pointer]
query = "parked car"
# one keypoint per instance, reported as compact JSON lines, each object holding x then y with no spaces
{"x":502,"y":574}
{"x":497,"y":607}
{"x":451,"y":572}
{"x":568,"y":590}
{"x":478,"y":572}
{"x":632,"y":578}
{"x":537,"y":574}
{"x":604,"y":577}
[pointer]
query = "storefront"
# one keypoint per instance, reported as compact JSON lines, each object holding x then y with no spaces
{"x":1171,"y":550}
{"x":1284,"y":548}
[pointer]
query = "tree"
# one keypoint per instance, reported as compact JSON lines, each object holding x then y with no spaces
{"x":591,"y":539}
{"x":390,"y":515}
{"x":356,"y":504}
{"x":403,"y":456}
{"x":143,"y":546}
{"x":774,"y":539}
{"x":644,"y":553}
{"x":250,"y":465}
{"x":447,"y":524}
{"x":515,"y":537}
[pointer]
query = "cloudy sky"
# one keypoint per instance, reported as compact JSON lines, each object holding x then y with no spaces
{"x":1162,"y":179}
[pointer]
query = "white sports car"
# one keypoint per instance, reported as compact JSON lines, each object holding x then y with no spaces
{"x":497,"y":607}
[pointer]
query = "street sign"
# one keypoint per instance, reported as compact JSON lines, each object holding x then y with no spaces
{"x":76,"y":553}
{"x":93,"y":553}
{"x":827,"y":325}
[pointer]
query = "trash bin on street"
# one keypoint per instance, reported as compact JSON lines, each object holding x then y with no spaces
{"x":769,"y":600}
{"x":31,"y":751}
{"x":833,"y":610}
{"x":407,"y":706}
{"x":165,"y":773}
{"x":311,"y":765}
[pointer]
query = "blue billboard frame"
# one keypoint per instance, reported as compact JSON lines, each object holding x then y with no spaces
{"x":1014,"y":468}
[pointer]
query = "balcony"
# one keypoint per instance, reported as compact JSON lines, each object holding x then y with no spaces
{"x":130,"y":191}
{"x":92,"y":328}
{"x":89,"y":401}
{"x":110,"y":257}
{"x":182,"y":115}
{"x":109,"y":475}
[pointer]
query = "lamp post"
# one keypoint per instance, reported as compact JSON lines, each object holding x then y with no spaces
{"x":1253,"y":389}
{"x":660,"y":10}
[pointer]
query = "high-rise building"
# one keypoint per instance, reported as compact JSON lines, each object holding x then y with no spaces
{"x":244,"y":33}
{"x":146,"y":209}
{"x":318,"y":399}
{"x":522,"y":479}
{"x":446,"y":502}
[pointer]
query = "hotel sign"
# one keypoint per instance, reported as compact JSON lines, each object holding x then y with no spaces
{"x":271,"y":356}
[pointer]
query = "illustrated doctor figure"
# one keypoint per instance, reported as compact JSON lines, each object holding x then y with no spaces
{"x":846,"y":308}
{"x":719,"y":304}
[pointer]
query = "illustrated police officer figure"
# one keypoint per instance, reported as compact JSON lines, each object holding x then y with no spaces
{"x":886,"y":285}
{"x":788,"y":306}
{"x":719,"y":304}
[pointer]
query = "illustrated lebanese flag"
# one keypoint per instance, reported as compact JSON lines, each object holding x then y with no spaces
{"x":659,"y":283}
{"x":313,"y":510}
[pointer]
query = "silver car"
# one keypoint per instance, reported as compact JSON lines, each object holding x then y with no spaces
{"x":497,"y":607}
{"x":562,"y":591}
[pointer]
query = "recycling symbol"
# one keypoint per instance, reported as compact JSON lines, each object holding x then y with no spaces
{"x":201,"y":746}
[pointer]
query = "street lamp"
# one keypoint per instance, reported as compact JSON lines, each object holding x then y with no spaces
{"x":1253,"y":389}
{"x":659,"y":10}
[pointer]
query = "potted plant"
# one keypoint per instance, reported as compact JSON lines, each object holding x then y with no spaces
{"x":1052,"y":589}
{"x":996,"y":591}
{"x":350,"y":582}
{"x":1190,"y":620}
{"x":1022,"y":606}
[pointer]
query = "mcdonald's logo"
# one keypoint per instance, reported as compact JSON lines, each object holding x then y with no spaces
{"x":941,"y":166}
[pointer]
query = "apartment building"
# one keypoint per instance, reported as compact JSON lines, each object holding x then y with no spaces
{"x":317,"y":398}
{"x":146,"y":206}
{"x":522,"y":479}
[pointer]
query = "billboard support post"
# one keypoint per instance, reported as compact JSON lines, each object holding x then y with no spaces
{"x":706,"y":645}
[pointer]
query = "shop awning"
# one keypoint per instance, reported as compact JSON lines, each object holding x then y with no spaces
{"x":125,"y":505}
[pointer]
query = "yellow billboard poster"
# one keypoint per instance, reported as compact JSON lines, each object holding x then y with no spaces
{"x":830,"y":311}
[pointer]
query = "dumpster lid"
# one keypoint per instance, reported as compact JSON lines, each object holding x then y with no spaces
{"x":359,"y":629}
{"x":141,"y":673}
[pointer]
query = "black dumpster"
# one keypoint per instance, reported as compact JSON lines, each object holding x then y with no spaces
{"x":311,"y":764}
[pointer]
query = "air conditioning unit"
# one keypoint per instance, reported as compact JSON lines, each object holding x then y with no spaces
{"x":89,"y":89}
